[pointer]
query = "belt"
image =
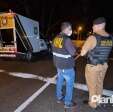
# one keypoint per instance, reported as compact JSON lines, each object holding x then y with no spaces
{"x":96,"y":63}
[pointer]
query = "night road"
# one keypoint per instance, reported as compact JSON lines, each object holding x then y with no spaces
{"x":63,"y":30}
{"x":14,"y":91}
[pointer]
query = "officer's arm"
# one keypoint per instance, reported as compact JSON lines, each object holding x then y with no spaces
{"x":88,"y":45}
{"x":70,"y":47}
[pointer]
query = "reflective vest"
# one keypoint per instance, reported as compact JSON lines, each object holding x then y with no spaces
{"x":100,"y":54}
{"x":62,"y":58}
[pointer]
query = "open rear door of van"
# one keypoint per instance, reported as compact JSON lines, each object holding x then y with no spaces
{"x":8,"y":47}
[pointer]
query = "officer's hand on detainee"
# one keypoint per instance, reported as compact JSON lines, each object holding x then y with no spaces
{"x":78,"y":52}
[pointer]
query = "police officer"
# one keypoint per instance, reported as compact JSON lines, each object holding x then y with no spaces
{"x":63,"y":53}
{"x":97,"y":47}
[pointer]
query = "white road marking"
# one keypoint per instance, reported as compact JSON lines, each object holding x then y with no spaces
{"x":53,"y":81}
{"x":35,"y":95}
{"x":48,"y":82}
{"x":30,"y":99}
{"x":28,"y":76}
{"x":23,"y":75}
{"x":84,"y":88}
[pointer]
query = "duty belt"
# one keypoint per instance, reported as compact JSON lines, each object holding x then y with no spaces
{"x":95,"y":63}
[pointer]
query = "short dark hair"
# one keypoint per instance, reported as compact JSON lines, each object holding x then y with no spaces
{"x":99,"y":20}
{"x":64,"y":25}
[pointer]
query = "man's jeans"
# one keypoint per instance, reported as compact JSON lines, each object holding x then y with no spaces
{"x":67,"y":75}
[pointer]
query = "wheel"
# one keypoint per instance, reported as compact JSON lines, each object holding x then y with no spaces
{"x":28,"y":56}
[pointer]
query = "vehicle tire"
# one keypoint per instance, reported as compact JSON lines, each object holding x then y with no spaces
{"x":28,"y":56}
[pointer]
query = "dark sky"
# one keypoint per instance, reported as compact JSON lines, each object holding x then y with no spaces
{"x":50,"y":13}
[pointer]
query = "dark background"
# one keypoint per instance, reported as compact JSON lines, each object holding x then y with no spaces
{"x":50,"y":13}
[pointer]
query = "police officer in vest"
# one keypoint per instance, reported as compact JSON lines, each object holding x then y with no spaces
{"x":63,"y":55}
{"x":97,"y":47}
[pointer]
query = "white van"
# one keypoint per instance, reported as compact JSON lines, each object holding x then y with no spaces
{"x":19,"y":36}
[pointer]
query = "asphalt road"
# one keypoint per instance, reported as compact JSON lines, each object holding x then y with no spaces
{"x":15,"y":90}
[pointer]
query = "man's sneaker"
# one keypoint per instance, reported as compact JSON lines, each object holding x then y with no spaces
{"x":73,"y":105}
